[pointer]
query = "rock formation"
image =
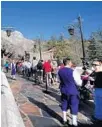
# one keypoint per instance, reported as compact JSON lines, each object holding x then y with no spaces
{"x":16,"y":43}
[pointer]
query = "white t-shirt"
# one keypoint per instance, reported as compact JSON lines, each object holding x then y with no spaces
{"x":34,"y":63}
{"x":77,"y":78}
{"x":28,"y":65}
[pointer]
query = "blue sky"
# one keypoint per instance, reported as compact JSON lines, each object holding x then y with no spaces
{"x":49,"y":18}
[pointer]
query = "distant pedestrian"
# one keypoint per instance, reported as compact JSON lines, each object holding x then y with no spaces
{"x":13,"y":69}
{"x":28,"y":69}
{"x":40,"y":70}
{"x":54,"y":71}
{"x":34,"y":68}
{"x":6,"y":66}
{"x":47,"y":71}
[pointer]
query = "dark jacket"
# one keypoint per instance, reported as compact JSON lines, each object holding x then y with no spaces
{"x":98,"y":80}
{"x":39,"y":66}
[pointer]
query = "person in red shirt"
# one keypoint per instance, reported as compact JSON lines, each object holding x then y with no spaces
{"x":47,"y":71}
{"x":47,"y":66}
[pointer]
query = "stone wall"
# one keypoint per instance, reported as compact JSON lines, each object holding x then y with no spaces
{"x":10,"y":115}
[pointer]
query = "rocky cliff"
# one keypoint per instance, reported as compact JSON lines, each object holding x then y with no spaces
{"x":16,"y":43}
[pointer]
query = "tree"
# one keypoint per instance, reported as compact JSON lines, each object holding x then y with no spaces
{"x":60,"y":46}
{"x":61,"y":50}
{"x":61,"y":38}
{"x":51,"y":43}
{"x":95,"y":46}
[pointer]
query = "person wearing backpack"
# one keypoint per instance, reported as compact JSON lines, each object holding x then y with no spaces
{"x":40,"y":70}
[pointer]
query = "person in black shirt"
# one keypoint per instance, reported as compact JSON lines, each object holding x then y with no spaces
{"x":97,"y":64}
{"x":40,"y":70}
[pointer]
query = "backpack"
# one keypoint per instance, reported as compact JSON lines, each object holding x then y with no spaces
{"x":39,"y":66}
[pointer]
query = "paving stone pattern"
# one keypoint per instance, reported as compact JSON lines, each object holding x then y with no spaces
{"x":43,"y":110}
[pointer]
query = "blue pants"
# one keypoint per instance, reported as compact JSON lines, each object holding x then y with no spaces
{"x":98,"y":103}
{"x":70,"y":101}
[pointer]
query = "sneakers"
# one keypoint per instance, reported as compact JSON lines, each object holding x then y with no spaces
{"x":74,"y":120}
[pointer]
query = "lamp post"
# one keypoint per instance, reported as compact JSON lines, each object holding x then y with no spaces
{"x":27,"y":55}
{"x":8,"y":33}
{"x":71,"y":32}
{"x":82,"y":40}
{"x":3,"y":50}
{"x":34,"y":46}
{"x":8,"y":30}
{"x":39,"y":42}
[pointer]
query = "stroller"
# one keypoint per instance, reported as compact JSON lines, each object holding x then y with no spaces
{"x":86,"y":90}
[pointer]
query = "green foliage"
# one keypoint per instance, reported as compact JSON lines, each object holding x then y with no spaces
{"x":65,"y":48}
{"x":61,"y":50}
{"x":95,"y":47}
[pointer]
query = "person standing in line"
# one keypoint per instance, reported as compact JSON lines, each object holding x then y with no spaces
{"x":34,"y":68}
{"x":47,"y":70}
{"x":13,"y":69}
{"x":40,"y":71}
{"x":28,"y":69}
{"x":23,"y":67}
{"x":6,"y":66}
{"x":17,"y":69}
{"x":69,"y":92}
{"x":97,"y":65}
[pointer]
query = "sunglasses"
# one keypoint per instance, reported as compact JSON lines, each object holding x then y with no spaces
{"x":95,"y":65}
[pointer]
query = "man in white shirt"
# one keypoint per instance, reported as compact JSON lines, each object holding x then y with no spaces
{"x":28,"y":68}
{"x":34,"y":68}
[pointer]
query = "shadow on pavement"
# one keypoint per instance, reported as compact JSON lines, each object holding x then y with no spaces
{"x":27,"y":78}
{"x":46,"y":108}
{"x":9,"y":77}
{"x":59,"y":118}
{"x":98,"y":124}
{"x":43,"y":121}
{"x":85,"y":108}
{"x":56,"y":96}
{"x":52,"y":92}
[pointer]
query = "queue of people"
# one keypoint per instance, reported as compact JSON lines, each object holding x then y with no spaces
{"x":32,"y":68}
{"x":69,"y":81}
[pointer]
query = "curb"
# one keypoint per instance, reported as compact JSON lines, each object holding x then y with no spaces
{"x":10,"y":115}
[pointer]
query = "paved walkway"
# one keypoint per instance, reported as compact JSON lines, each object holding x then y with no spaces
{"x":42,"y":110}
{"x":10,"y":115}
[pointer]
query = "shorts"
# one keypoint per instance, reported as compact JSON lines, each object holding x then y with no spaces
{"x":49,"y":74}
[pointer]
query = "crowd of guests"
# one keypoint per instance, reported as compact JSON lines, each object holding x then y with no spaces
{"x":69,"y":80}
{"x":34,"y":68}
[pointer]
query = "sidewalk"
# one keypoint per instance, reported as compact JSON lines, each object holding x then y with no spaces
{"x":10,"y":115}
{"x":42,"y":110}
{"x":37,"y":109}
